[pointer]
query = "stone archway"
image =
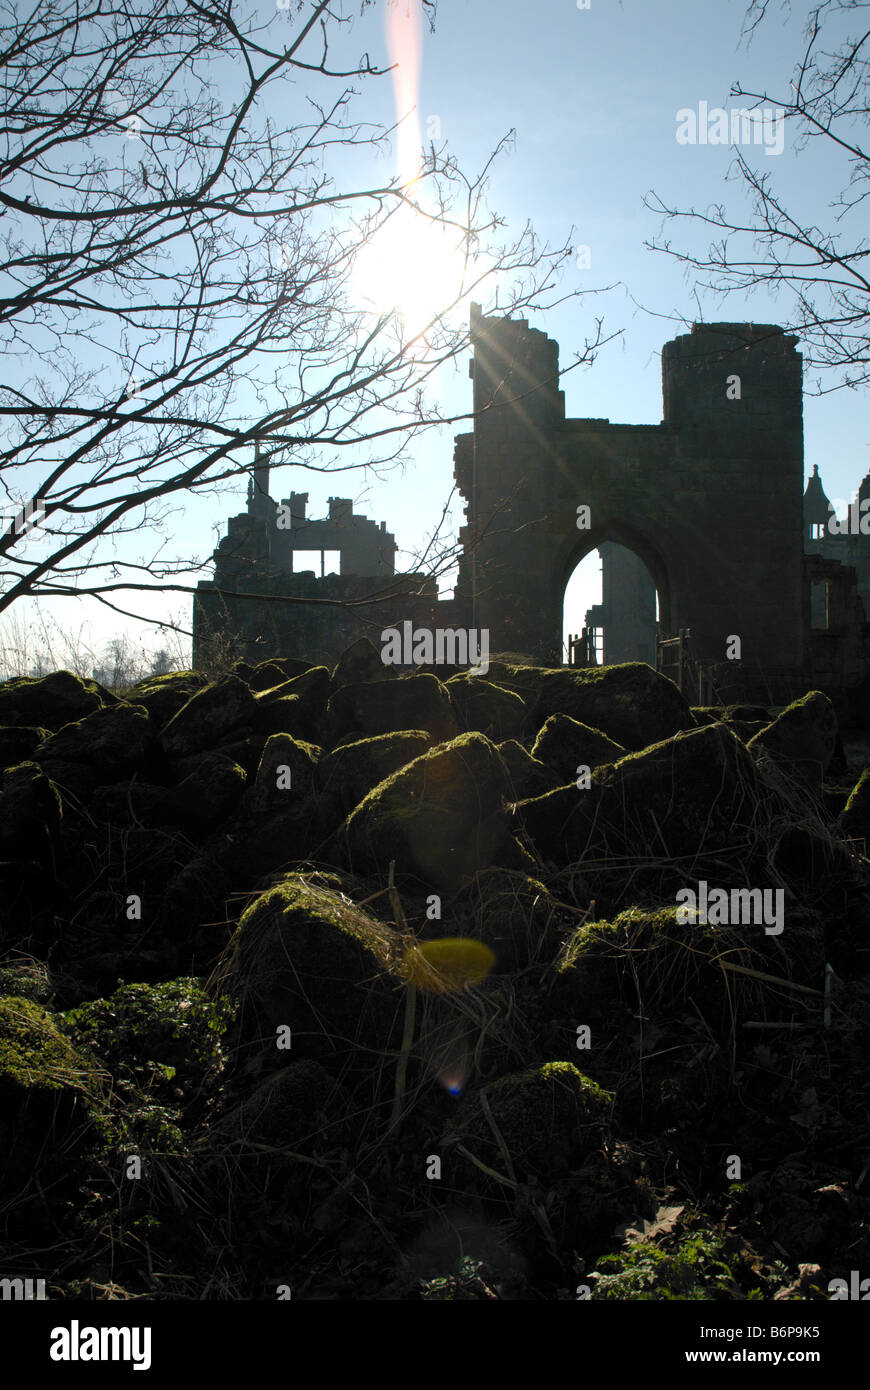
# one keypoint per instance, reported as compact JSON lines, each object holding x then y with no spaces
{"x":624,"y":617}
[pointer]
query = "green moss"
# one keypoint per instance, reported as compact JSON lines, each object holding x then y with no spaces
{"x":164,"y":696}
{"x":156,"y":1038}
{"x":298,"y":900}
{"x":51,"y":700}
{"x":169,"y":680}
{"x":564,"y":744}
{"x":441,"y":817}
{"x":53,"y":1099}
{"x":487,"y":707}
{"x":646,"y":958}
{"x":26,"y":977}
{"x":32,"y":1050}
{"x":306,"y":957}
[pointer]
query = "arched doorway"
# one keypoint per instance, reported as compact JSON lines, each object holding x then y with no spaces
{"x":613,"y":597}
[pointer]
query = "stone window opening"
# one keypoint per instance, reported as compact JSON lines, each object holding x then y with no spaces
{"x":820,"y":605}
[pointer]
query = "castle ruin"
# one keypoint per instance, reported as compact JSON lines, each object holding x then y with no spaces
{"x":707,"y":509}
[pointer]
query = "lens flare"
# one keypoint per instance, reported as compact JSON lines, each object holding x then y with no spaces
{"x":403,"y":20}
{"x":413,"y":266}
{"x":450,"y":1062}
{"x":445,"y":965}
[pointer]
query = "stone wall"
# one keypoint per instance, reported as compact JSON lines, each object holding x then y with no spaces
{"x":316,"y":631}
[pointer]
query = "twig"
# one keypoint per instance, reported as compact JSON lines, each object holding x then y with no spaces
{"x":490,"y":1172}
{"x":578,"y":911}
{"x":395,"y":900}
{"x":773,"y":979}
{"x":778,"y":1025}
{"x":505,"y":1153}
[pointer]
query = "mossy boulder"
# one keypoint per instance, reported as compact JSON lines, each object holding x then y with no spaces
{"x":550,"y":1118}
{"x":313,"y":684}
{"x":359,"y":663}
{"x":246,"y":751}
{"x":75,"y":782}
{"x":350,"y":771}
{"x":265,"y":676}
{"x":210,"y":785}
{"x":112,"y":742}
{"x":527,"y":776}
{"x":289,"y":666}
{"x":286,"y":715}
{"x":130,"y":803}
{"x":163,"y":696}
{"x":295,"y":706}
{"x":661,"y":968}
{"x":266,"y":1155}
{"x":285,"y":772}
{"x":268,"y":842}
{"x":30,"y":812}
{"x":192,"y":916}
{"x":694,"y":794}
{"x":441,"y":818}
{"x":215,"y":711}
{"x":648,"y":961}
{"x":630,"y":703}
{"x":801,"y":740}
{"x":510,"y":913}
{"x":381,"y":707}
{"x":51,"y":1102}
{"x":486,"y":707}
{"x":564,"y":744}
{"x":50,"y":701}
{"x":305,"y":958}
{"x":19,"y":745}
{"x":522,"y":677}
{"x":301,"y":1108}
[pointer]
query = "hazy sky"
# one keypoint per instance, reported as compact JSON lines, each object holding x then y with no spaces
{"x":593,"y":95}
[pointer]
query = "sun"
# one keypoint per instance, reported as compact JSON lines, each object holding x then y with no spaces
{"x":414,"y":268}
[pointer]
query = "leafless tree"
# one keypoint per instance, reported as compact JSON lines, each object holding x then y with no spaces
{"x":821,"y":271}
{"x":178,"y":245}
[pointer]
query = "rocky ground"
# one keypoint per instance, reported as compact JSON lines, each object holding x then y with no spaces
{"x":234,"y":1063}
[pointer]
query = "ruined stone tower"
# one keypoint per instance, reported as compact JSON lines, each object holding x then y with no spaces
{"x":709,"y":499}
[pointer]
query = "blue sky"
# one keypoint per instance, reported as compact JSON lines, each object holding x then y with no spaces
{"x":593,"y":96}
